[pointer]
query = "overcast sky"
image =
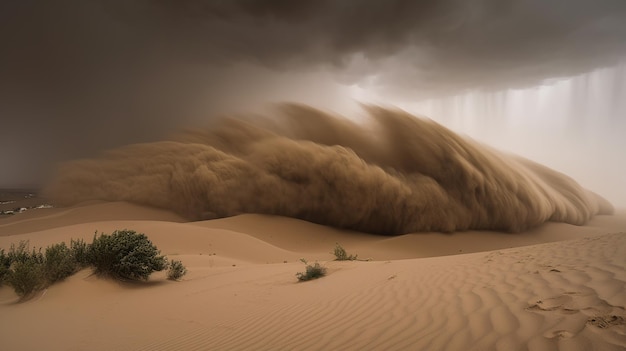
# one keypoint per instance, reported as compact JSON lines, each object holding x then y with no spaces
{"x":85,"y":75}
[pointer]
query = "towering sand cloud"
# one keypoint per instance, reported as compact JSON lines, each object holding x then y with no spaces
{"x":396,"y":174}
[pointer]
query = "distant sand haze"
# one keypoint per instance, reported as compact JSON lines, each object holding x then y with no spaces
{"x":399,"y":174}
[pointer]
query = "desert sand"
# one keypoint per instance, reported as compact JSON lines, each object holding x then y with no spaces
{"x":556,"y":287}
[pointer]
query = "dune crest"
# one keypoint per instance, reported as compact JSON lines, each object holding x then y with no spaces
{"x":396,"y":174}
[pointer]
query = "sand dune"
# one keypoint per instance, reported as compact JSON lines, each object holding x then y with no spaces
{"x":41,"y":219}
{"x":301,"y":236}
{"x":565,"y":292}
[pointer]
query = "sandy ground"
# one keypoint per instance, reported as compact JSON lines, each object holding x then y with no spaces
{"x":555,"y":287}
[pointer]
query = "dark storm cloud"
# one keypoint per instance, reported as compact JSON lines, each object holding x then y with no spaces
{"x":420,"y":45}
{"x":79,"y":76}
{"x":443,"y":43}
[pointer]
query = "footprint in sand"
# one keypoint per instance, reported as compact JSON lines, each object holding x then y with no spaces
{"x":603,"y":322}
{"x":560,"y":303}
{"x":560,"y":334}
{"x":583,"y":310}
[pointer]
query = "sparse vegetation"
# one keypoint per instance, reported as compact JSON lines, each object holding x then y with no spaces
{"x":341,"y":254}
{"x":312,"y":271}
{"x":176,"y":270}
{"x":80,"y":251}
{"x":5,"y":264}
{"x":125,"y":254}
{"x":19,"y":253}
{"x":59,"y":263}
{"x":27,"y":274}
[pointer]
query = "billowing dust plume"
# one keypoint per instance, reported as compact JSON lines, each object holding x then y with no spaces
{"x":395,"y":174}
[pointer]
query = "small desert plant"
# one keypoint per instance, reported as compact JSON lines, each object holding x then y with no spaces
{"x":26,"y":276}
{"x":125,"y":254}
{"x":5,"y":264}
{"x":176,"y":270}
{"x":80,"y":252}
{"x":59,"y":263}
{"x":342,"y":255}
{"x":18,"y":253}
{"x":312,"y":271}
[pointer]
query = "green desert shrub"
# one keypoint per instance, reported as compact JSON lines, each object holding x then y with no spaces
{"x":26,"y":269}
{"x":27,"y":276}
{"x":176,"y":270}
{"x":19,"y":253}
{"x":80,"y":251}
{"x":5,"y":264}
{"x":125,"y":254}
{"x":312,"y":271}
{"x":342,"y":255}
{"x":59,"y":263}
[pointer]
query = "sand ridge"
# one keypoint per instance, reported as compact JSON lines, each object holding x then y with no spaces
{"x":510,"y":299}
{"x":91,"y":211}
{"x":241,"y":291}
